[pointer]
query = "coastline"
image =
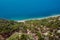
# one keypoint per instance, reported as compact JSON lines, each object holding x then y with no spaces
{"x":36,"y":18}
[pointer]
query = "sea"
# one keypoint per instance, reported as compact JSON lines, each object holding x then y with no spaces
{"x":26,"y":9}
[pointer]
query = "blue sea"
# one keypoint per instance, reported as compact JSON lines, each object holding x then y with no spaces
{"x":25,"y":9}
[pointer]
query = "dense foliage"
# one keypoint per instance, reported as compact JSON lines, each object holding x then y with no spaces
{"x":43,"y":29}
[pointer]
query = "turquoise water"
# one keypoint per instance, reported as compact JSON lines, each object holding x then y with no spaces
{"x":24,"y":9}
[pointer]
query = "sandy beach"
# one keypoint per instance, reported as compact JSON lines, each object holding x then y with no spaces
{"x":37,"y":18}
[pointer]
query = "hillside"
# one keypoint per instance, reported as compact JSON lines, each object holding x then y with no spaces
{"x":43,"y":29}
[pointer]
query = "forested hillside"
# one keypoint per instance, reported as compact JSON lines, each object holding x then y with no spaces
{"x":43,"y":29}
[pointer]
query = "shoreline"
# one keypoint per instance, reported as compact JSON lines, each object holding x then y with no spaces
{"x":36,"y":18}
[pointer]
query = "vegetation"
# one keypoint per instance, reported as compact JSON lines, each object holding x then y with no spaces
{"x":43,"y":29}
{"x":15,"y":36}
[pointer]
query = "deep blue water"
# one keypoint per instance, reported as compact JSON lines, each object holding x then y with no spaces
{"x":23,"y":9}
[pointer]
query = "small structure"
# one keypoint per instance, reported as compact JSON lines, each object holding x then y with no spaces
{"x":58,"y":31}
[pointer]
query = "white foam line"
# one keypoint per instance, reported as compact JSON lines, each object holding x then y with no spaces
{"x":37,"y":18}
